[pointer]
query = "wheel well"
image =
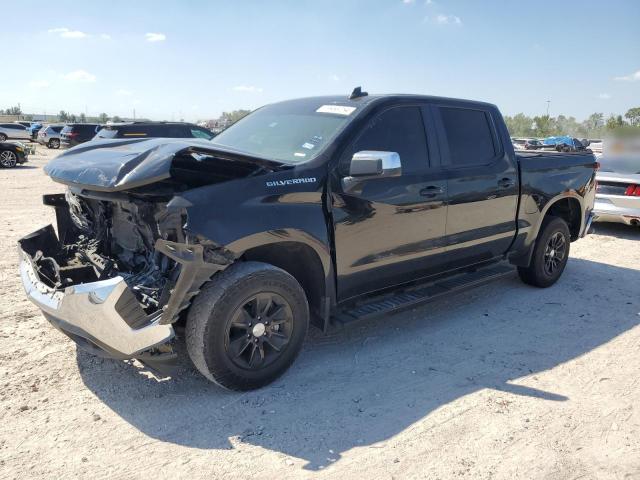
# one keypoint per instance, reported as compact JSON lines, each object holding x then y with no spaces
{"x":301,"y":262}
{"x":569,"y":210}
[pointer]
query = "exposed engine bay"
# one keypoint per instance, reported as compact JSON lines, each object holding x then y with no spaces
{"x":140,"y":240}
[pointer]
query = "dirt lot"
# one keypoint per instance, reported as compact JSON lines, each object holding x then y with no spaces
{"x":505,"y":381}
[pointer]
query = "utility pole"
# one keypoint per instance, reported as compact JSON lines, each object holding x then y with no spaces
{"x":548,"y":103}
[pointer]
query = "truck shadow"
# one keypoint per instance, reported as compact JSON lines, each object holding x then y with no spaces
{"x":363,"y":385}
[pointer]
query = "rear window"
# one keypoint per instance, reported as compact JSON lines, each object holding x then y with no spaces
{"x":469,"y":136}
{"x":86,"y":128}
{"x":67,"y":129}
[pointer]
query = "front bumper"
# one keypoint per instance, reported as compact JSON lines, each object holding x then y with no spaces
{"x":607,"y":210}
{"x":90,"y":314}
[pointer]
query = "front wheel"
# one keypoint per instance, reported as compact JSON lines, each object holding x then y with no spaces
{"x":8,"y":159}
{"x":54,"y":143}
{"x":247,"y":325}
{"x":550,"y":254}
{"x":3,"y":137}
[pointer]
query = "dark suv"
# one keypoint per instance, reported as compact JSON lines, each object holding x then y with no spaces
{"x":76,"y":133}
{"x":153,"y":130}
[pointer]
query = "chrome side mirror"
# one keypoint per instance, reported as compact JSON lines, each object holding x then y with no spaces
{"x":370,"y":163}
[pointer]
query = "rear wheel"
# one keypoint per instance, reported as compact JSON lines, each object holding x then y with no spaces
{"x":8,"y":159}
{"x":3,"y":137}
{"x":54,"y":143}
{"x":246,"y":326}
{"x":550,"y":254}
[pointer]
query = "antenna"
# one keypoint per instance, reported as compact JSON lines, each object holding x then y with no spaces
{"x":357,"y":93}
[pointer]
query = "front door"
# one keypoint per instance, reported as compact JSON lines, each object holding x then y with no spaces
{"x":389,"y":231}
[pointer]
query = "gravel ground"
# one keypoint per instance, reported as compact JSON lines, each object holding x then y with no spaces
{"x":505,"y":381}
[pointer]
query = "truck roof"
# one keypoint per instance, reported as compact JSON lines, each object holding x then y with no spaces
{"x":368,"y":99}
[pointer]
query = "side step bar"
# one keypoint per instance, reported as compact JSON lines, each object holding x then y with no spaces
{"x":418,"y":295}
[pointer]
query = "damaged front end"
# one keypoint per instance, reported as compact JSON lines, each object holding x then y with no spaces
{"x":117,"y":275}
{"x":122,"y":266}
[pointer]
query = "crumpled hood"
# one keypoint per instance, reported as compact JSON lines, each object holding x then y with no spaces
{"x":113,"y":165}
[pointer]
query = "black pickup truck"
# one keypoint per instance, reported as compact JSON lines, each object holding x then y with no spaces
{"x":316,"y":211}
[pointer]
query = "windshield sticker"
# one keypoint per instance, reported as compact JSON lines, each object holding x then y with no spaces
{"x":336,"y":109}
{"x":308,"y":146}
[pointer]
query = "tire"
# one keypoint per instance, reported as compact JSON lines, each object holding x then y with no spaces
{"x":8,"y":159}
{"x":3,"y":137}
{"x":239,"y":339}
{"x":547,"y":263}
{"x":54,"y":143}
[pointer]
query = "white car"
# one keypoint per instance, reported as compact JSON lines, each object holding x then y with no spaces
{"x":50,"y":136}
{"x":618,"y":191}
{"x":13,"y":131}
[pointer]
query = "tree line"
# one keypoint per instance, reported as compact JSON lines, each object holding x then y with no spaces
{"x":66,"y":117}
{"x":594,"y":126}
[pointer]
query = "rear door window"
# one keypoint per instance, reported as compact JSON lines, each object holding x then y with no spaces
{"x":469,"y":136}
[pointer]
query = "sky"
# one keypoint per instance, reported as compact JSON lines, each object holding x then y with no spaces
{"x":193,"y":59}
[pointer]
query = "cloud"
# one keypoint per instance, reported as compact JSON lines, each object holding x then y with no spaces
{"x":247,"y":88}
{"x":407,"y":2}
{"x":124,"y":93}
{"x":633,"y":77}
{"x":105,"y":36}
{"x":442,"y":19}
{"x":67,"y":33}
{"x":38,"y":84}
{"x":604,"y":96}
{"x":80,"y":76}
{"x":155,"y":37}
{"x":334,"y":78}
{"x":448,"y":20}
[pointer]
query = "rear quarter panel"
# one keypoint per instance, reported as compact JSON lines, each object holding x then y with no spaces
{"x":547,"y":178}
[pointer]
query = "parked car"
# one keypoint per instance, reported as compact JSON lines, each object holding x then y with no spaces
{"x":533,"y":144}
{"x":76,"y":133}
{"x":12,"y":154}
{"x":618,"y":193}
{"x":24,"y":124}
{"x":566,"y":143}
{"x":153,"y":130}
{"x":317,"y":210}
{"x":13,"y":131}
{"x":519,"y":143}
{"x":34,"y":129}
{"x":50,"y":136}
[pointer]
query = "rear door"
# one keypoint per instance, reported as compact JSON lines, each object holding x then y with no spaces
{"x":482,"y":183}
{"x":390,"y":230}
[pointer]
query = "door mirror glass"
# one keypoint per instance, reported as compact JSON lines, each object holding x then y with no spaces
{"x":369,"y":163}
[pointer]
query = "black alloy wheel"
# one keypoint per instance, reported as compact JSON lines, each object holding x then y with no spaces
{"x":259,"y":330}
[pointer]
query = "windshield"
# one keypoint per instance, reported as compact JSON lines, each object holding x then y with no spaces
{"x":289,"y":132}
{"x":106,"y":133}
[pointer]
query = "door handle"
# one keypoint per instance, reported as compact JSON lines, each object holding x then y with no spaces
{"x":431,"y":191}
{"x":506,"y":183}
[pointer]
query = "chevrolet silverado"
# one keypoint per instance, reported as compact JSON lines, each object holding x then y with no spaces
{"x":320,"y":211}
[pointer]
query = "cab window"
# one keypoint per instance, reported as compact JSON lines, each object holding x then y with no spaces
{"x":400,"y":130}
